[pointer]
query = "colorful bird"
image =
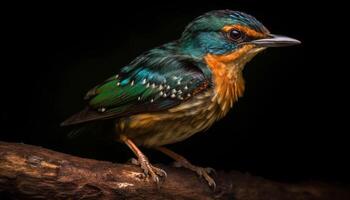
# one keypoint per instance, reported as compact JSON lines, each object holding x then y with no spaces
{"x":171,"y":92}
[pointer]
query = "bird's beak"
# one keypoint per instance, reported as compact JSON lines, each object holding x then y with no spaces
{"x":275,"y":41}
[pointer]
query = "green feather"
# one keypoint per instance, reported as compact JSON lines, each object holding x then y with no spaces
{"x":145,"y":85}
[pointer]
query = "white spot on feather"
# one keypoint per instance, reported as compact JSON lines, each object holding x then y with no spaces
{"x":102,"y":109}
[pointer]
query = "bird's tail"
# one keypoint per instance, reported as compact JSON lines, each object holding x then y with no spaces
{"x":94,"y":130}
{"x":87,"y":115}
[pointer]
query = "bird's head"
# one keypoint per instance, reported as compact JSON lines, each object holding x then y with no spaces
{"x":230,"y":36}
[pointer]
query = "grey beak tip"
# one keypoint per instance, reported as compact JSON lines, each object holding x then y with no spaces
{"x":297,"y":42}
{"x":276,"y":41}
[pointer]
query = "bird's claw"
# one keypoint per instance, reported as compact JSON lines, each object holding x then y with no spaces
{"x":149,"y":170}
{"x":204,"y":172}
{"x":134,"y":161}
{"x":210,"y":170}
{"x":160,"y":172}
{"x":201,"y":171}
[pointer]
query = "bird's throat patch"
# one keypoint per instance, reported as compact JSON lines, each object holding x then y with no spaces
{"x":227,"y":75}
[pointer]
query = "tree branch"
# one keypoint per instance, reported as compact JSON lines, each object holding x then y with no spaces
{"x":28,"y":172}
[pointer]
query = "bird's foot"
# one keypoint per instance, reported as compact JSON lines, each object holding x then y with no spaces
{"x":201,"y":171}
{"x":149,"y":170}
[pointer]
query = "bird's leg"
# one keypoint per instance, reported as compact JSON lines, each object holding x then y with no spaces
{"x":142,"y":160}
{"x":183,"y":162}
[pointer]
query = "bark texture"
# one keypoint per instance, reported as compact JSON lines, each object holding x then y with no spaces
{"x":31,"y":172}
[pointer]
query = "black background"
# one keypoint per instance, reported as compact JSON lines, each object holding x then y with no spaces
{"x":291,"y":124}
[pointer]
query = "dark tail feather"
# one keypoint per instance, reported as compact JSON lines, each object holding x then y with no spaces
{"x":96,"y":127}
{"x":86,"y":115}
{"x":94,"y":130}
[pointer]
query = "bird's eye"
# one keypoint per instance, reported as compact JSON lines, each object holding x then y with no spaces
{"x":235,"y":34}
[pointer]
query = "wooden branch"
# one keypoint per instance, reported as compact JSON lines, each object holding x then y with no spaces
{"x":29,"y":172}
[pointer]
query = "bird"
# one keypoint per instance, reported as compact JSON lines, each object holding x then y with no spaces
{"x":181,"y":88}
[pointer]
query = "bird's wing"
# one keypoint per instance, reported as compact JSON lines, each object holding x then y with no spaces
{"x":149,"y":84}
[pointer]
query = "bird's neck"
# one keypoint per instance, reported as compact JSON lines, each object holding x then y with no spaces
{"x":227,"y":76}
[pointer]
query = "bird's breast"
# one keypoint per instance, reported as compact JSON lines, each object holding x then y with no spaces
{"x":173,"y":125}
